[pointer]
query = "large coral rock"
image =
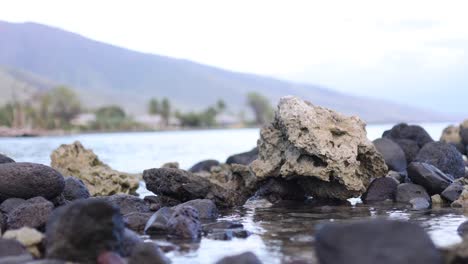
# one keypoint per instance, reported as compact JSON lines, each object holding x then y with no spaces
{"x":327,"y":151}
{"x":75,"y":160}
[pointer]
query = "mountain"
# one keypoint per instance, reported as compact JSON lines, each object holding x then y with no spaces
{"x":106,"y":74}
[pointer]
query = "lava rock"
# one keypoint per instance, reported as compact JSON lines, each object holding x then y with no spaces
{"x":392,"y":153}
{"x":451,"y":135}
{"x":75,"y":189}
{"x":443,"y":156}
{"x":11,"y":203}
{"x":20,"y":259}
{"x":406,"y":192}
{"x":409,"y":147}
{"x":161,"y":200}
{"x":205,"y":207}
{"x":462,"y":229}
{"x":11,"y":247}
{"x":275,"y":190}
{"x":375,"y":241}
{"x":80,"y":231}
{"x":108,"y":257}
{"x":157,"y":224}
{"x":464,"y":135}
{"x":412,"y":132}
{"x":148,"y":253}
{"x":127,"y":203}
{"x":5,"y":159}
{"x":204,"y":166}
{"x":129,"y":241}
{"x":420,"y":203}
{"x":28,"y":180}
{"x":185,"y":223}
{"x":244,"y":258}
{"x":137,"y":221}
{"x":429,"y":177}
{"x":452,"y":192}
{"x":380,"y":189}
{"x":32,"y":213}
{"x":244,"y":158}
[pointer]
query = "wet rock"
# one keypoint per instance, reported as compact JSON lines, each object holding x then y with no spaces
{"x":227,"y":186}
{"x":409,"y":147}
{"x":380,"y":189}
{"x":81,"y":230}
{"x":205,"y":207}
{"x":20,"y":259}
{"x":392,"y":153}
{"x":328,"y":152}
{"x":32,"y":213}
{"x":99,"y":178}
{"x":244,"y":258}
{"x":452,"y":192}
{"x":109,"y":258}
{"x":127,"y":203}
{"x":75,"y":189}
{"x":5,"y":159}
{"x":205,"y":165}
{"x":244,"y":158}
{"x":276,"y":190}
{"x":408,"y":192}
{"x":161,"y":200}
{"x":429,"y":177}
{"x":11,"y":247}
{"x":185,"y":223}
{"x":148,"y":253}
{"x":28,"y":237}
{"x":27,"y":180}
{"x":420,"y":203}
{"x":11,"y":203}
{"x":222,"y":225}
{"x":443,"y":156}
{"x":157,"y":224}
{"x":137,"y":221}
{"x":129,"y":242}
{"x":48,"y":261}
{"x":225,"y":230}
{"x":411,"y":132}
{"x":375,"y":241}
{"x":463,"y":229}
{"x":462,"y":201}
{"x":437,"y":200}
{"x":397,"y":176}
{"x":451,"y":135}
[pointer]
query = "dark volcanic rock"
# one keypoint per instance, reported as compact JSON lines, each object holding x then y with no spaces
{"x":409,"y":147}
{"x":462,"y":229}
{"x":137,"y":221}
{"x":185,"y":223}
{"x":148,"y":253}
{"x":129,"y":241}
{"x":244,"y":158}
{"x":21,"y":259}
{"x":275,"y":190}
{"x":205,"y":207}
{"x":443,"y":156}
{"x":75,"y":189}
{"x":406,"y":192}
{"x":412,"y":132}
{"x":429,"y":177}
{"x":32,"y":213}
{"x":244,"y":258}
{"x":464,"y":135}
{"x":452,"y":192}
{"x":28,"y":180}
{"x":392,"y":153}
{"x":83,"y":229}
{"x":157,"y":224}
{"x":375,"y":241}
{"x":127,"y":203}
{"x":5,"y":159}
{"x":380,"y":189}
{"x":11,"y":247}
{"x":9,"y":204}
{"x":204,"y":165}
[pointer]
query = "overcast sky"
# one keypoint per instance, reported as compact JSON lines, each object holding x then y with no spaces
{"x":401,"y":50}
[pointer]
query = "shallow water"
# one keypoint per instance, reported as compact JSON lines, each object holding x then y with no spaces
{"x":279,"y":234}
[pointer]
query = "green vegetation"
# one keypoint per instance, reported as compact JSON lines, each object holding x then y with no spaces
{"x":153,"y":107}
{"x":205,"y":118}
{"x":261,"y":108}
{"x":111,"y":118}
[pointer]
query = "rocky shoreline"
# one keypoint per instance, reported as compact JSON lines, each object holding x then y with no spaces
{"x":80,"y":210}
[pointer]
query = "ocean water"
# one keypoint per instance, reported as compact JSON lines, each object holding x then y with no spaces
{"x":280,"y":234}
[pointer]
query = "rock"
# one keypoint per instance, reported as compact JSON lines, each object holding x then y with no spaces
{"x":184,"y":223}
{"x":452,"y":192}
{"x":81,"y":230}
{"x":327,"y":152}
{"x":375,"y":241}
{"x":11,"y":203}
{"x":429,"y":177}
{"x":32,"y":213}
{"x":392,"y":153}
{"x":28,"y":237}
{"x":406,"y":192}
{"x":443,"y":156}
{"x":129,"y":242}
{"x":127,"y":203}
{"x":161,"y":200}
{"x":451,"y":135}
{"x":420,"y":203}
{"x":412,"y":132}
{"x":48,"y":261}
{"x":99,"y":178}
{"x":137,"y":221}
{"x":11,"y":247}
{"x":464,"y":132}
{"x":108,"y":257}
{"x":244,"y":258}
{"x":75,"y":189}
{"x":462,"y":201}
{"x":205,"y":207}
{"x":148,"y":253}
{"x":171,"y":165}
{"x":5,"y":159}
{"x":20,"y":259}
{"x":204,"y":166}
{"x":244,"y":158}
{"x":397,"y":176}
{"x":227,"y":186}
{"x":276,"y":190}
{"x":157,"y":224}
{"x":409,"y":147}
{"x":463,"y":229}
{"x":27,"y":180}
{"x":380,"y":189}
{"x":437,"y":200}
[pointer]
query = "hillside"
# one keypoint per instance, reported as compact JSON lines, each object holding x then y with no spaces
{"x":105,"y":74}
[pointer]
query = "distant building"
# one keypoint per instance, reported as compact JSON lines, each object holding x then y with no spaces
{"x":83,"y":119}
